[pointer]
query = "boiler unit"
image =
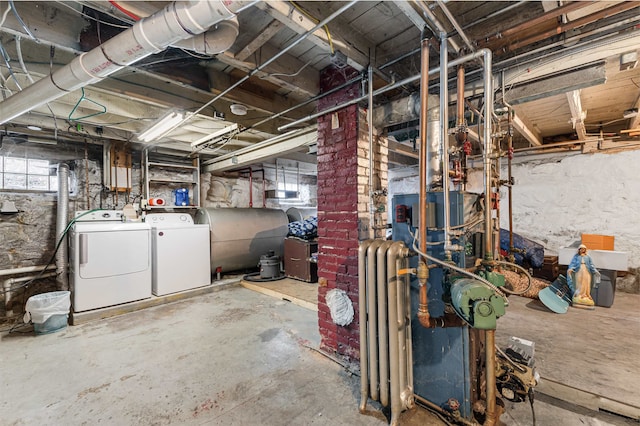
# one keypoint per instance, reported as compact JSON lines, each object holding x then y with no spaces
{"x":441,"y":356}
{"x":240,"y":236}
{"x":109,"y":260}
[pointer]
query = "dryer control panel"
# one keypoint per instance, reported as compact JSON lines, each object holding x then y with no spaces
{"x":169,"y":219}
{"x":98,"y":215}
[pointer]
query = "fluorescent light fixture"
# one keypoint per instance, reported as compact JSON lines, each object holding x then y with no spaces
{"x":161,"y":126}
{"x":216,"y":134}
{"x":42,"y":141}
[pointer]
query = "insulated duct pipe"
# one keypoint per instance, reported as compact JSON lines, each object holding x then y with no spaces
{"x":217,"y":39}
{"x":177,"y":21}
{"x":62,"y":214}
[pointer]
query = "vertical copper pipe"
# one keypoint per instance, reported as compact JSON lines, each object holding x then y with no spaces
{"x":490,"y":353}
{"x":251,"y":187}
{"x":423,"y":271}
{"x":460,"y":100}
{"x":264,"y":191}
{"x":509,"y":177}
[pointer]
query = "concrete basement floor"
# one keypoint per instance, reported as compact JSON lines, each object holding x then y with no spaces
{"x":231,"y":357}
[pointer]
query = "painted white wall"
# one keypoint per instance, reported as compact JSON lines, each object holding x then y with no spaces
{"x":557,"y":200}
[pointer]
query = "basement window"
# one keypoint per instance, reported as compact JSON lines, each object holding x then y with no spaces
{"x":27,"y":174}
{"x":287,"y":190}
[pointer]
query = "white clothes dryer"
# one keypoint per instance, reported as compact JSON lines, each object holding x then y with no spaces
{"x":110,"y":260}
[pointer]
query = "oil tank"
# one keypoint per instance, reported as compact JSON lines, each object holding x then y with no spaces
{"x":239,"y":236}
{"x":300,"y":213}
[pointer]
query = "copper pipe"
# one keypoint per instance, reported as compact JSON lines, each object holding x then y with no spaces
{"x":490,"y":364}
{"x":552,"y":14}
{"x":510,"y":177}
{"x":614,"y":10}
{"x":423,"y":271}
{"x":460,"y":99}
{"x":250,"y":188}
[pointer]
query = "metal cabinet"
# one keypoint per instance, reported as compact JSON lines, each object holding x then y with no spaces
{"x":297,"y":259}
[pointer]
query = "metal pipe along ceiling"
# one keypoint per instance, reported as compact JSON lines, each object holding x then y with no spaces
{"x":177,"y":21}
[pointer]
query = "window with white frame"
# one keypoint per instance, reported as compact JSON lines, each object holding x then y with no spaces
{"x":285,"y":190}
{"x":27,"y":174}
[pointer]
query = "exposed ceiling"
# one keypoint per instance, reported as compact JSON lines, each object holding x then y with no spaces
{"x":569,"y":70}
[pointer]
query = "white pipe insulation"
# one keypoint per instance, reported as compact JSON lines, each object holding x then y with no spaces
{"x":177,"y":21}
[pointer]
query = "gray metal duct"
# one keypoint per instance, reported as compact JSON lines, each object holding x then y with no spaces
{"x":62,"y":214}
{"x":177,"y":21}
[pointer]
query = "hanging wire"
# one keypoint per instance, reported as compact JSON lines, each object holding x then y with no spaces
{"x":7,"y":59}
{"x":26,"y":71}
{"x":61,"y":3}
{"x":4,"y":15}
{"x":297,"y":72}
{"x":26,"y":29}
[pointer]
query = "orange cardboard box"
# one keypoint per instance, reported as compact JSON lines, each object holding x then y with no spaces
{"x":598,"y":242}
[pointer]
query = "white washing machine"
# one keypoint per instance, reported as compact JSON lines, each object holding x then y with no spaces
{"x":180,"y":253}
{"x":109,"y":260}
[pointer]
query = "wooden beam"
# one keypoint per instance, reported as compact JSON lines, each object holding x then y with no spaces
{"x":531,"y":135}
{"x":413,"y":15}
{"x":266,"y":34}
{"x":577,"y":114}
{"x":303,"y":81}
{"x":343,"y":37}
{"x":402,"y":149}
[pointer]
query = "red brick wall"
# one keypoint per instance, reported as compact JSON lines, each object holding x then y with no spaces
{"x":338,"y":210}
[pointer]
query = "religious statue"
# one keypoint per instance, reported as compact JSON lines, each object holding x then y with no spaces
{"x":579,"y":275}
